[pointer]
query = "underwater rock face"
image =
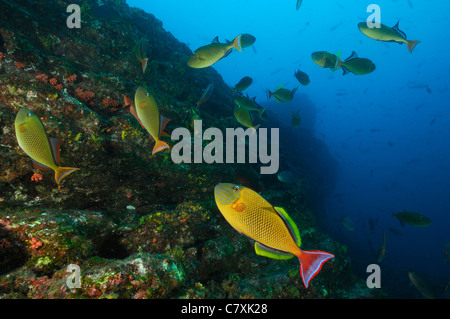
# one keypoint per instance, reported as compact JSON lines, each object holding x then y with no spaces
{"x":139,"y":226}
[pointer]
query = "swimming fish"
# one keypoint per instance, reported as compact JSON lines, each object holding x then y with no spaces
{"x":33,"y":140}
{"x":206,"y":94}
{"x":246,"y":40}
{"x":325,"y":59}
{"x":209,"y":54}
{"x":296,"y":119}
{"x":281,"y":94}
{"x":139,"y":49}
{"x":387,"y":34}
{"x":286,"y":177}
{"x":147,"y":113}
{"x":302,"y":77}
{"x":243,"y":116}
{"x":299,"y":3}
{"x":382,"y":249}
{"x":422,"y":284}
{"x":413,"y":219}
{"x":243,"y":84}
{"x":356,"y":65}
{"x":348,"y":223}
{"x":274,"y":232}
{"x":249,"y":104}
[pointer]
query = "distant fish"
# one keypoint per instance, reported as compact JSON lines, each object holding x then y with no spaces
{"x":286,"y":177}
{"x":355,"y":65}
{"x":273,"y":230}
{"x":387,"y":34}
{"x":281,"y":94}
{"x":139,"y":51}
{"x":382,"y":250}
{"x":209,"y":54}
{"x":299,"y":4}
{"x":33,"y":140}
{"x":432,"y":121}
{"x":147,"y":113}
{"x":302,"y":77}
{"x":206,"y":94}
{"x":249,"y":104}
{"x":243,"y":84}
{"x":246,"y":40}
{"x":325,"y":59}
{"x":348,"y":223}
{"x":395,"y":231}
{"x":413,"y":219}
{"x":422,"y":284}
{"x":243,"y":116}
{"x":447,"y":252}
{"x":295,"y":119}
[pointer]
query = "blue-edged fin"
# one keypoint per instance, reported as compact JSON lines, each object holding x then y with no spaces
{"x":266,"y":251}
{"x":354,"y":55}
{"x":290,"y":224}
{"x":396,"y":28}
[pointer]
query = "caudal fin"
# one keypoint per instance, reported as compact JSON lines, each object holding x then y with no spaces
{"x":159,"y":146}
{"x":63,"y":172}
{"x":236,"y":44}
{"x":412,"y":44}
{"x":310,"y":264}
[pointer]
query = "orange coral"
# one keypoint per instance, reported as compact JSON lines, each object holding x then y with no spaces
{"x":71,"y":78}
{"x":58,"y":87}
{"x":85,"y":96}
{"x":53,"y":81}
{"x":20,"y":65}
{"x":35,"y":243}
{"x":1,"y":55}
{"x":42,"y":77}
{"x":108,"y":102}
{"x":36,"y":177}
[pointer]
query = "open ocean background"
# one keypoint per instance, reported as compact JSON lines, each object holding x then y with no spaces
{"x":389,"y":130}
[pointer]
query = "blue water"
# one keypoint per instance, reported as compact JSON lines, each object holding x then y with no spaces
{"x":389,"y":134}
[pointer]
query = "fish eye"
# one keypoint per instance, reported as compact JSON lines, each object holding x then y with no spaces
{"x":28,"y":114}
{"x":236,"y":188}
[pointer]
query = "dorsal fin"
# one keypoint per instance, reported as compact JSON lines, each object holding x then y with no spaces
{"x":162,"y":123}
{"x":216,"y":39}
{"x":289,"y":224}
{"x":396,"y":28}
{"x":352,"y":56}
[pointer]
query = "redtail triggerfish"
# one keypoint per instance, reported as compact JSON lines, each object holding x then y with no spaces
{"x":147,"y":113}
{"x":275,"y":233}
{"x":33,"y":140}
{"x":209,"y":54}
{"x":387,"y":34}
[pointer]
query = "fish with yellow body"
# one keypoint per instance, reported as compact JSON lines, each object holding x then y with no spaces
{"x":33,"y":140}
{"x":147,"y":113}
{"x":275,"y":233}
{"x":209,"y":54}
{"x":387,"y":34}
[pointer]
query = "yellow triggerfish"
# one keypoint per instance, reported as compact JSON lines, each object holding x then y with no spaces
{"x":275,"y":233}
{"x":139,"y":49}
{"x":387,"y":34}
{"x":33,"y":140}
{"x":209,"y":54}
{"x":147,"y":113}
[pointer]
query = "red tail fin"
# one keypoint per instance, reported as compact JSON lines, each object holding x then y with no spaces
{"x":310,"y":264}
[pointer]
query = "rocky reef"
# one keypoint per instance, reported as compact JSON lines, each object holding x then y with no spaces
{"x":137,"y":225}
